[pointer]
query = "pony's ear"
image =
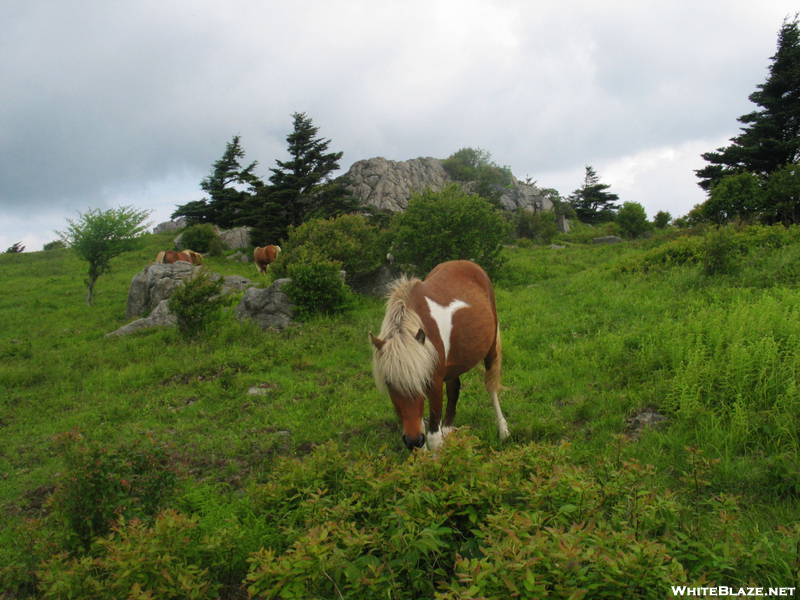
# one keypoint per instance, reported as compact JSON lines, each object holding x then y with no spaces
{"x":420,"y":337}
{"x":377,"y":342}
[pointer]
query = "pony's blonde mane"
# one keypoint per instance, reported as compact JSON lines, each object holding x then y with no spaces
{"x":403,"y":362}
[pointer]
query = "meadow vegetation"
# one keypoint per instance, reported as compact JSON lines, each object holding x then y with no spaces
{"x":162,"y":465}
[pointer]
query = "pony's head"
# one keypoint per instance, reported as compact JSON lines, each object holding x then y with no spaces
{"x":404,"y":361}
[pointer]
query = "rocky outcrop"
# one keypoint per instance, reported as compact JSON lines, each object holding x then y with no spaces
{"x":269,"y":307}
{"x":388,"y":184}
{"x":157,"y":282}
{"x":173,"y":225}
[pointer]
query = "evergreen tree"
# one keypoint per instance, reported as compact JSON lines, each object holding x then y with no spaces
{"x":770,"y":137}
{"x":592,"y":203}
{"x":301,"y":188}
{"x":228,"y":204}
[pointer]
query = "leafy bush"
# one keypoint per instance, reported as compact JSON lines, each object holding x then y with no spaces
{"x":54,"y":245}
{"x":540,"y":226}
{"x":196,"y":302}
{"x":526,"y":522}
{"x":199,"y":238}
{"x":349,"y":240}
{"x":721,"y":252}
{"x":632,"y":220}
{"x":315,"y":285}
{"x":448,"y":225}
{"x":662,"y":219}
{"x":137,"y":560}
{"x":682,"y":251}
{"x":100,"y":484}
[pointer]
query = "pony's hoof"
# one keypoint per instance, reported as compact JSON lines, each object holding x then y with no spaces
{"x":503,"y":427}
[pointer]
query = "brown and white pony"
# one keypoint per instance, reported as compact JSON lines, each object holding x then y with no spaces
{"x":265,"y":256}
{"x":433,"y":332}
{"x":171,"y":256}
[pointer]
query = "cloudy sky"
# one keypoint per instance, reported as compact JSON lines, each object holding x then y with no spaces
{"x":106,"y":103}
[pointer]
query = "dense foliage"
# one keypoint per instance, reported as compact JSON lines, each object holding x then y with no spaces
{"x":448,"y":225}
{"x":349,"y":240}
{"x":200,"y":238}
{"x":316,"y":286}
{"x":476,"y":166}
{"x":197,"y":302}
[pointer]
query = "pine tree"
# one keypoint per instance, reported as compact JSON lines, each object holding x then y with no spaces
{"x":228,"y":204}
{"x":301,"y":188}
{"x":592,"y":203}
{"x":770,"y":138}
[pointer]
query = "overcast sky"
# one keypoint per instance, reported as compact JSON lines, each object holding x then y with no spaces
{"x":107,"y":103}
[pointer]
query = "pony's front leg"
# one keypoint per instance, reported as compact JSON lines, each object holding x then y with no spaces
{"x":434,"y":437}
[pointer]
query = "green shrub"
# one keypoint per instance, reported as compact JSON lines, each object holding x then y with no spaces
{"x":682,"y":251}
{"x":349,"y":240}
{"x":662,"y":219}
{"x":721,"y":252}
{"x":315,"y":286}
{"x":197,"y":302}
{"x":55,"y":245}
{"x":526,"y":522}
{"x":632,"y":220}
{"x":540,"y":226}
{"x":448,"y":225}
{"x":199,"y":237}
{"x":164,"y":560}
{"x":100,"y":484}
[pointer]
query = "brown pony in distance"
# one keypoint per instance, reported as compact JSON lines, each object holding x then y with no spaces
{"x":171,"y":256}
{"x":265,"y":256}
{"x":434,"y":331}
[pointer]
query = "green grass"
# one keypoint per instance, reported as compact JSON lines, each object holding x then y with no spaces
{"x":586,"y":344}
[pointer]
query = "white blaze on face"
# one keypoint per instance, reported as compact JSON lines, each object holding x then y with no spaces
{"x":443,"y":315}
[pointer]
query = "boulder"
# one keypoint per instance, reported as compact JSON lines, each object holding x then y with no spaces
{"x":157,"y":282}
{"x":153,"y":284}
{"x":377,"y":282}
{"x":269,"y":307}
{"x":563,"y":224}
{"x":238,"y":237}
{"x":160,"y":317}
{"x":609,"y":239}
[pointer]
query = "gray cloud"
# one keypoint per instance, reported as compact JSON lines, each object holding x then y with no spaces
{"x":105,"y":102}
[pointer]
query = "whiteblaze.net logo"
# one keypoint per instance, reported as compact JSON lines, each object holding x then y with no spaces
{"x":725,"y":591}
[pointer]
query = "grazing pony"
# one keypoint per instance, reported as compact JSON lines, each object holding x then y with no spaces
{"x":171,"y":256}
{"x":434,"y":331}
{"x":265,"y":256}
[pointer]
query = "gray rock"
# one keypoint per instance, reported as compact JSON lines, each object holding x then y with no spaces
{"x":160,"y":317}
{"x":270,"y":307}
{"x":563,"y":224}
{"x":178,"y":223}
{"x":388,"y":184}
{"x":609,"y":239}
{"x":238,"y":237}
{"x":376,"y":283}
{"x":153,"y":284}
{"x":157,"y":282}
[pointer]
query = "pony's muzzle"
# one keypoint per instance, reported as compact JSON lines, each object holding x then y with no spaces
{"x":411,"y":443}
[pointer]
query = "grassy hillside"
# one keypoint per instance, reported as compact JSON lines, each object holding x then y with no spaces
{"x":592,"y":337}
